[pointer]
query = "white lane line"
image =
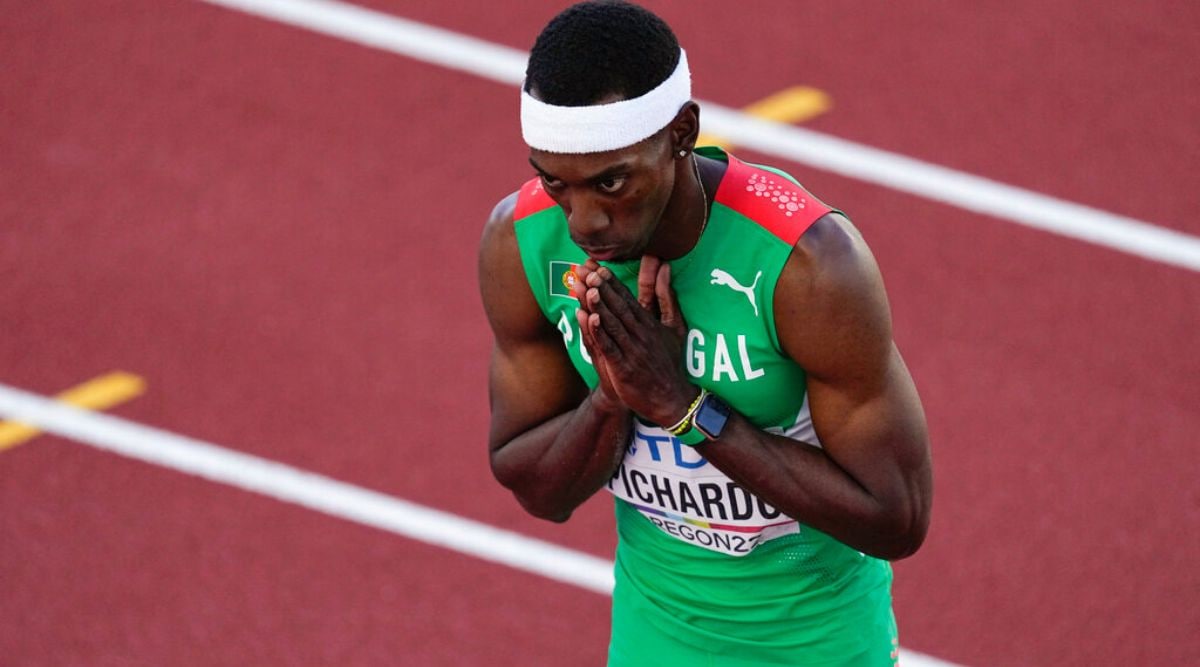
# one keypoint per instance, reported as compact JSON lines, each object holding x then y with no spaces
{"x":392,"y":33}
{"x":820,"y":151}
{"x":323,"y":494}
{"x":316,"y":492}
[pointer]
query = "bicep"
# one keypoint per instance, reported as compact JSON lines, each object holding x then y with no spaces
{"x":530,"y":379}
{"x":877,"y":433}
{"x":529,"y":383}
{"x":834,"y":321}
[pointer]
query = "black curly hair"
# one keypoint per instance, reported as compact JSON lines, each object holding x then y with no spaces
{"x":595,"y":49}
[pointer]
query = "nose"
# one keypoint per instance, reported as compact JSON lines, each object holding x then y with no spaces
{"x":586,"y":218}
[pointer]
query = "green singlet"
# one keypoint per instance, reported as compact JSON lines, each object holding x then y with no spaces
{"x":706,"y":573}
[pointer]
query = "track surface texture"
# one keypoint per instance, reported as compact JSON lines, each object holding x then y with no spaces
{"x":277,"y":230}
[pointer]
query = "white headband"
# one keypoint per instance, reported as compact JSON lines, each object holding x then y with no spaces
{"x":605,"y":127}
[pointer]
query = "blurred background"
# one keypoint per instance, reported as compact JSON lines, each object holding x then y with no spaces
{"x":263,"y":236}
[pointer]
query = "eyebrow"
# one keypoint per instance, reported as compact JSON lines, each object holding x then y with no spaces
{"x":619,"y":168}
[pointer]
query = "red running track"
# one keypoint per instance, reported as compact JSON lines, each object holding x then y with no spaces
{"x":277,"y":230}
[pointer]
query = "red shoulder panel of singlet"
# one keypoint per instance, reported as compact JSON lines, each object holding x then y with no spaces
{"x":531,"y":198}
{"x":774,"y":202}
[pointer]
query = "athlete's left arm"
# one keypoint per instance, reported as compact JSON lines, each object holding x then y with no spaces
{"x":870,"y":484}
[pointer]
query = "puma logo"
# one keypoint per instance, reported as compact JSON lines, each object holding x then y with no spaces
{"x":720,"y":277}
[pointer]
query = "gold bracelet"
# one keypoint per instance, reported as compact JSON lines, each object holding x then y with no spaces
{"x":684,"y":424}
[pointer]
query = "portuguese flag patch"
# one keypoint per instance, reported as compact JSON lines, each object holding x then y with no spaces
{"x":562,"y":279}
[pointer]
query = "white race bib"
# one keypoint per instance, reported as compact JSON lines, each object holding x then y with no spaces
{"x":674,"y":487}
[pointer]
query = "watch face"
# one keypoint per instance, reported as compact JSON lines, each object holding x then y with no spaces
{"x":711,"y":416}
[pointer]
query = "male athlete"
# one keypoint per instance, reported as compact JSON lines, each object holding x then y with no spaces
{"x":710,"y":343}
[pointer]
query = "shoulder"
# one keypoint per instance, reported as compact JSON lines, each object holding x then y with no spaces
{"x":500,"y":223}
{"x":507,"y":298}
{"x":832,"y":253}
{"x":831,"y":307}
{"x":530,"y":199}
{"x":770,"y":198}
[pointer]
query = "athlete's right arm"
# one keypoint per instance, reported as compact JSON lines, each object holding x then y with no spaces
{"x":552,"y":442}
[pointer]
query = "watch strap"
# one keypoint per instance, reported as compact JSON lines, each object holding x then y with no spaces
{"x":692,"y":437}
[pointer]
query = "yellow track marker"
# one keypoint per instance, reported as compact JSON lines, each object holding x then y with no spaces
{"x":790,"y":105}
{"x":100,"y":393}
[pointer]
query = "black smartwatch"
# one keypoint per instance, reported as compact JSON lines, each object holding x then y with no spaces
{"x":711,"y":416}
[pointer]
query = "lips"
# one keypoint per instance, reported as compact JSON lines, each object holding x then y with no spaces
{"x":602,"y":252}
{"x":602,"y":255}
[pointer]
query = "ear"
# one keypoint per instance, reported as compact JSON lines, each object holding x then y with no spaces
{"x":685,"y":129}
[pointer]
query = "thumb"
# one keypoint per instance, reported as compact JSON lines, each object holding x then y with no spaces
{"x":668,"y":305}
{"x":647,"y":275}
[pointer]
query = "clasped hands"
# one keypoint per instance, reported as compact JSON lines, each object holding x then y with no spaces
{"x":636,"y":344}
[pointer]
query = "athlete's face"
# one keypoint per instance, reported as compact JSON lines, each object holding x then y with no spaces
{"x":613,"y":200}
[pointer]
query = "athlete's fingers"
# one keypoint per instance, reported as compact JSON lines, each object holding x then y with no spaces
{"x":668,"y":301}
{"x":612,"y":322}
{"x":646,"y":276}
{"x":581,"y":317}
{"x":603,"y":276}
{"x":589,"y":340}
{"x":582,"y":271}
{"x":619,"y":311}
{"x":622,"y":304}
{"x":589,"y":337}
{"x":605,"y":345}
{"x":594,"y":355}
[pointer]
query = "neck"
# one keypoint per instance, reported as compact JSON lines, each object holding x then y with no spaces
{"x":686,"y":213}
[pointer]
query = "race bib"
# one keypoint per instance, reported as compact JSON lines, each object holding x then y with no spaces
{"x":674,"y":487}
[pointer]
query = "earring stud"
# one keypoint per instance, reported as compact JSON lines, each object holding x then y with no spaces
{"x":682,"y":153}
